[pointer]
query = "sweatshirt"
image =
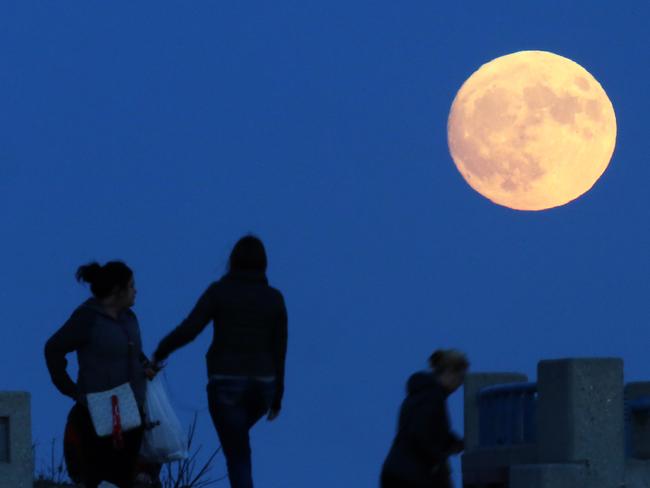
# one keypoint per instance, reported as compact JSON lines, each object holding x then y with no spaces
{"x":249,"y":320}
{"x":109,"y":352}
{"x":424,"y":438}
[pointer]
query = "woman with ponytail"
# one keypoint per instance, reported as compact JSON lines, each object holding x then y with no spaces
{"x":424,"y":440}
{"x":105,"y":335}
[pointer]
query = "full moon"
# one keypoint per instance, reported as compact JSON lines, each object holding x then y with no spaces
{"x":531,"y":130}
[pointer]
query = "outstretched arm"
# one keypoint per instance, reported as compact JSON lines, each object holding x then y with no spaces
{"x":70,"y":337}
{"x":191,"y":327}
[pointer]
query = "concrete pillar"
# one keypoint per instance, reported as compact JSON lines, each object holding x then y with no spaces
{"x":17,"y":465}
{"x":580,"y":417}
{"x":548,"y":476}
{"x":473,"y":383}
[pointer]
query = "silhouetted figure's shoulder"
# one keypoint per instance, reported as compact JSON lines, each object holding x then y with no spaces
{"x":277,"y":294}
{"x":88,"y":308}
{"x":92,"y":309}
{"x":424,"y":383}
{"x":243,"y":277}
{"x":246,"y":280}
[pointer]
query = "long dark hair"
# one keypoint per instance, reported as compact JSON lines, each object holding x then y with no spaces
{"x":248,"y":254}
{"x":104,"y":279}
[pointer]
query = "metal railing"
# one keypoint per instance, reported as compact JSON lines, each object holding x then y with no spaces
{"x":507,"y":414}
{"x":640,"y":408}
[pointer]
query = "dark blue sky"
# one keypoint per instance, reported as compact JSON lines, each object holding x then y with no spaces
{"x":160,"y":132}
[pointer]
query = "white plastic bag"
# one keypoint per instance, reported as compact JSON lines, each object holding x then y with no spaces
{"x":164,"y":439}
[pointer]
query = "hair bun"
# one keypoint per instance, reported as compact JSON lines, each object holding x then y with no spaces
{"x":104,"y":280}
{"x":89,"y":273}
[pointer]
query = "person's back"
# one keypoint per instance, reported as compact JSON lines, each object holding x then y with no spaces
{"x":246,"y":358}
{"x":250,"y":329}
{"x":247,"y":328}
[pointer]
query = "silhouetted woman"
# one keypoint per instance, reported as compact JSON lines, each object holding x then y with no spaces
{"x":246,"y":359}
{"x":424,"y":440}
{"x":105,"y":334}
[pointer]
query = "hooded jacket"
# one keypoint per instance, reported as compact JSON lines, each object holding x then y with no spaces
{"x":250,"y":329}
{"x":104,"y":356}
{"x":423,"y":441}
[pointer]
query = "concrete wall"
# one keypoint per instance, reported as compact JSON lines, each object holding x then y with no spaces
{"x":491,"y":465}
{"x":637,"y":473}
{"x":549,"y":476}
{"x":580,"y":431}
{"x":19,"y":471}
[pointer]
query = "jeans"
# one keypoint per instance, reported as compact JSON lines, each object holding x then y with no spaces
{"x":235,"y":406}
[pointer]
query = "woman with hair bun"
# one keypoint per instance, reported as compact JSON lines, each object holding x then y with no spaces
{"x":424,"y":440}
{"x":105,"y":334}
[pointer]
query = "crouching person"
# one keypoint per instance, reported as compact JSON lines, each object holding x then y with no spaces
{"x":424,"y":440}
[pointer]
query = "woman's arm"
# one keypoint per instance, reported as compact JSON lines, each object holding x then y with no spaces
{"x":191,"y":327}
{"x":70,"y":337}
